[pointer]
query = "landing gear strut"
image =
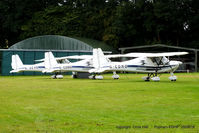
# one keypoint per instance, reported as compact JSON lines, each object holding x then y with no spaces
{"x":57,"y":76}
{"x":94,"y":76}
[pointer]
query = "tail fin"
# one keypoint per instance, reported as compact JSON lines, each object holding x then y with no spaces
{"x":49,"y":60}
{"x":99,"y":60}
{"x":16,"y":62}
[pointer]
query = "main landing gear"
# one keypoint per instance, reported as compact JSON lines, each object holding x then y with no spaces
{"x":94,"y":76}
{"x":115,"y":75}
{"x":152,"y":76}
{"x":57,"y":76}
{"x":74,"y":75}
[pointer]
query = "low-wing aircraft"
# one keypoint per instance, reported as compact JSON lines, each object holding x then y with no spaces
{"x":18,"y":66}
{"x":150,"y":63}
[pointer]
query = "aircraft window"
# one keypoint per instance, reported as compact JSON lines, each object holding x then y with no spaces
{"x":157,"y":60}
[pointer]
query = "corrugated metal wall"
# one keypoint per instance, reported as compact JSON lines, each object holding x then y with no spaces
{"x":29,"y":57}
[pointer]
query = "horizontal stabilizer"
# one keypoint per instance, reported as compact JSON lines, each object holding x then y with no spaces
{"x":48,"y":71}
{"x":97,"y":70}
{"x":14,"y":71}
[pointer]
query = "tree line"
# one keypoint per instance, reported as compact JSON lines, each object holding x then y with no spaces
{"x":119,"y":23}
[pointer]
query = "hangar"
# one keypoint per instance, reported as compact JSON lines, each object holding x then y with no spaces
{"x":33,"y":49}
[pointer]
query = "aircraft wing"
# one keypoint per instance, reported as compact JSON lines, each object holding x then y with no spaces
{"x":79,"y":57}
{"x":146,"y":54}
{"x":91,"y":56}
{"x":122,"y":55}
{"x":154,"y":54}
{"x":71,"y":57}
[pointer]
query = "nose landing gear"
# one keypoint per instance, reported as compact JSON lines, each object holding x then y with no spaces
{"x":173,"y":77}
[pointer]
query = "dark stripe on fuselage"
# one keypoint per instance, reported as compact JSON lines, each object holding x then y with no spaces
{"x":41,"y":66}
{"x":150,"y":67}
{"x":81,"y":67}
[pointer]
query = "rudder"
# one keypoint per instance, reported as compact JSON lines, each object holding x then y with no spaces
{"x":49,"y":60}
{"x":16,"y":62}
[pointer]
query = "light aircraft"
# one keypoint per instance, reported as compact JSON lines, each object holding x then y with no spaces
{"x":150,"y":63}
{"x":18,"y":66}
{"x":51,"y":65}
{"x":84,"y":65}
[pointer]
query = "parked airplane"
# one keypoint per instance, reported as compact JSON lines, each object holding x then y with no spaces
{"x":18,"y":66}
{"x":51,"y":65}
{"x":151,"y":63}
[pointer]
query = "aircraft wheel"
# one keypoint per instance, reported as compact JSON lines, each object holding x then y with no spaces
{"x":146,"y":78}
{"x":115,"y":76}
{"x":53,"y":77}
{"x":100,"y":77}
{"x":173,"y":78}
{"x":59,"y":76}
{"x":74,"y":76}
{"x":91,"y":77}
{"x":156,"y":79}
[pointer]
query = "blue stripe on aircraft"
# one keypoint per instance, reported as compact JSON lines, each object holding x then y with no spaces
{"x":147,"y":66}
{"x":41,"y":66}
{"x":82,"y":67}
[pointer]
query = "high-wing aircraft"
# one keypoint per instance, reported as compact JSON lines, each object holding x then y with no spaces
{"x":150,"y":63}
{"x":51,"y":65}
{"x":18,"y":66}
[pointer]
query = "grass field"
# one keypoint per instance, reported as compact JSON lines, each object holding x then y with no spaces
{"x":39,"y":104}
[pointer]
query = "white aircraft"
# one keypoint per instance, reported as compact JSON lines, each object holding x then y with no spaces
{"x":151,"y":63}
{"x":18,"y":66}
{"x":51,"y":65}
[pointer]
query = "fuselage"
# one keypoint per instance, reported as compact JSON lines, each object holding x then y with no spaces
{"x":80,"y":66}
{"x":37,"y":68}
{"x":140,"y":68}
{"x":144,"y":65}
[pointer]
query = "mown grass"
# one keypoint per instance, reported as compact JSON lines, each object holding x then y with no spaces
{"x":39,"y":104}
